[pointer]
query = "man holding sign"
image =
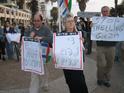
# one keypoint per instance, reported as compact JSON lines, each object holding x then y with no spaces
{"x":41,"y":33}
{"x":105,"y":55}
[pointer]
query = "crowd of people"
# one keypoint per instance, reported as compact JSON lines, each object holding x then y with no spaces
{"x":6,"y":47}
{"x":75,"y":79}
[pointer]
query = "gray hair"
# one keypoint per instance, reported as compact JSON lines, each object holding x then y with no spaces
{"x":67,"y":16}
{"x":104,"y":7}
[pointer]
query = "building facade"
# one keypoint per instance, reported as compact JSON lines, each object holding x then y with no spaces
{"x":9,"y":11}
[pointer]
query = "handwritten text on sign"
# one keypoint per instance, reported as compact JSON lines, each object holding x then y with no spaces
{"x":32,"y":56}
{"x":68,"y":51}
{"x":108,"y":29}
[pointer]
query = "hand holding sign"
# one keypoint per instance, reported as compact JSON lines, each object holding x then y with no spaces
{"x":67,"y":51}
{"x":107,"y":29}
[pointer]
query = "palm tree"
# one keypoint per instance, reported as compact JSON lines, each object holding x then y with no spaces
{"x":81,"y":3}
{"x":33,"y":5}
{"x":118,"y":10}
{"x":54,"y":14}
{"x":116,"y":2}
{"x":20,"y":3}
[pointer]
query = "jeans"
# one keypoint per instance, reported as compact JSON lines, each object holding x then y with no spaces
{"x":9,"y":49}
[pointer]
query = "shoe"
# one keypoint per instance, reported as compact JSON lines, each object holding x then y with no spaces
{"x":107,"y":84}
{"x":100,"y":82}
{"x":45,"y":87}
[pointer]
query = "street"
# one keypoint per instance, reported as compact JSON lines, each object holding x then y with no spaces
{"x":13,"y":80}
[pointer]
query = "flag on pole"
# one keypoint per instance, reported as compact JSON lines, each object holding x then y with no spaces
{"x":64,"y":6}
{"x":46,"y":52}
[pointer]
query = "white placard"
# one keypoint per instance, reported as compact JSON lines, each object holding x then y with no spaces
{"x":32,"y":56}
{"x":67,"y":51}
{"x":108,"y":29}
{"x":13,"y":37}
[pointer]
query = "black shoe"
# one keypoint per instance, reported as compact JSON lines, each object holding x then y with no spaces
{"x":107,"y":84}
{"x":100,"y":82}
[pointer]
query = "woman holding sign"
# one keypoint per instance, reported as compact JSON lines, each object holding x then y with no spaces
{"x":74,"y":78}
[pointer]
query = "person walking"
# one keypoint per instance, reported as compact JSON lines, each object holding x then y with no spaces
{"x":42,"y":33}
{"x":105,"y":56}
{"x":2,"y":45}
{"x":74,"y":78}
{"x":88,"y":40}
{"x":9,"y":46}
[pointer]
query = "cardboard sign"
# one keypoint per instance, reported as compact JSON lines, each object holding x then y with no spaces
{"x":67,"y":51}
{"x":13,"y":37}
{"x":32,"y":60}
{"x":107,"y":29}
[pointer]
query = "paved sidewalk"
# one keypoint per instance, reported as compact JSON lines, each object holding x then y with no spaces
{"x":59,"y":85}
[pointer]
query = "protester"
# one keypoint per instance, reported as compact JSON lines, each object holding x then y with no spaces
{"x":40,"y":32}
{"x":22,"y":30}
{"x":9,"y":47}
{"x":74,"y":78}
{"x":88,"y":40}
{"x":16,"y":27}
{"x":77,"y":24}
{"x":2,"y":44}
{"x":105,"y":56}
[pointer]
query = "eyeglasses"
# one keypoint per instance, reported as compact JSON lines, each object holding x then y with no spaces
{"x":70,"y":21}
{"x":105,"y":11}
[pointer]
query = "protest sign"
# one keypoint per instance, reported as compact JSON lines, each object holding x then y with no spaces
{"x":67,"y":51}
{"x":32,"y":56}
{"x":107,"y":29}
{"x":13,"y":37}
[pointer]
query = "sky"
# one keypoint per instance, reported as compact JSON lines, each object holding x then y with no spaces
{"x":92,"y":5}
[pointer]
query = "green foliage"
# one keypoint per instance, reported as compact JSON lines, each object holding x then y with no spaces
{"x":120,"y":10}
{"x":54,"y":13}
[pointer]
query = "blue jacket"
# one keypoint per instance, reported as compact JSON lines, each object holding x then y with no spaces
{"x":2,"y":36}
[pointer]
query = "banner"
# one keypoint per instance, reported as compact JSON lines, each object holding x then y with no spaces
{"x":107,"y":29}
{"x":31,"y":56}
{"x":67,"y":51}
{"x":13,"y":37}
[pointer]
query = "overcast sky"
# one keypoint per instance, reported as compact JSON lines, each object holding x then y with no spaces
{"x":92,"y":5}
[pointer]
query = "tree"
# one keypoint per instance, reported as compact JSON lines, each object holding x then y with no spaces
{"x":33,"y":5}
{"x":54,"y":13}
{"x":119,"y":9}
{"x":20,"y":3}
{"x":81,"y":3}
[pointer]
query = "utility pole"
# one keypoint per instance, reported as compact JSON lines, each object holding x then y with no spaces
{"x":116,"y":11}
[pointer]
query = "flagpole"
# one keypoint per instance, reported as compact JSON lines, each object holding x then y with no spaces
{"x":59,"y":18}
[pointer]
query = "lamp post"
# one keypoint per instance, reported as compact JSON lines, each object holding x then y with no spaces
{"x":116,"y":12}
